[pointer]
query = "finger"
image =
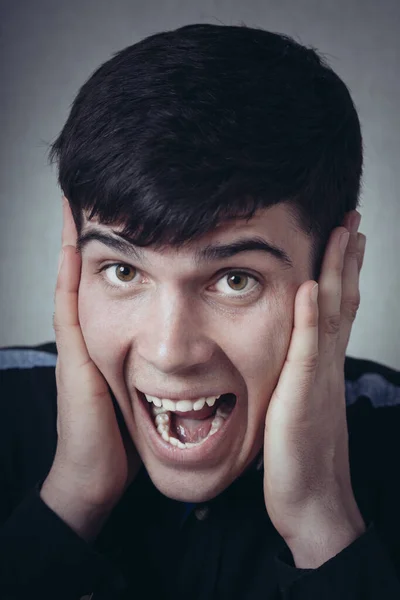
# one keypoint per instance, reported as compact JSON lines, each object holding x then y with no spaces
{"x":350,"y":293}
{"x":66,"y":322}
{"x":72,"y":352}
{"x":330,"y":293}
{"x":73,"y":358}
{"x":69,"y":233}
{"x":362,"y":239}
{"x":298,"y":372}
{"x":351,"y":222}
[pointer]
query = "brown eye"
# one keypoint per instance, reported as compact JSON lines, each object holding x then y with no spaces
{"x":240,"y":282}
{"x":124,"y":273}
{"x":237,"y":282}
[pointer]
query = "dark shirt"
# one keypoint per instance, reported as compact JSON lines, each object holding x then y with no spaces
{"x":155,"y":547}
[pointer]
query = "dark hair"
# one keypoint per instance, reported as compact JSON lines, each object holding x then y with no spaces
{"x":192,"y":127}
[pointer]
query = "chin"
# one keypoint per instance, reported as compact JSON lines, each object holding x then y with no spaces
{"x":195,"y":487}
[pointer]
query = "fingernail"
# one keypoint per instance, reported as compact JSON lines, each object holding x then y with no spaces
{"x":344,"y":239}
{"x":314,"y":293}
{"x":60,"y":260}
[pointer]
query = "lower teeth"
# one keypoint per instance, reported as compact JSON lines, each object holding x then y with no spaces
{"x":162,"y":422}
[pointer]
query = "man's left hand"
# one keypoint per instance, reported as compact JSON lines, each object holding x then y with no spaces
{"x":307,"y":485}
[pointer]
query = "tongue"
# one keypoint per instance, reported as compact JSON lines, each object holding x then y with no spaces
{"x":191,"y":430}
{"x":195,"y":425}
{"x":197,"y":415}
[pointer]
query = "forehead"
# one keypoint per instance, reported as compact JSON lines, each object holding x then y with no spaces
{"x":276,"y":225}
{"x":277,"y":220}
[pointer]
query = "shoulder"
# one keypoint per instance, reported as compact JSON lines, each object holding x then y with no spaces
{"x":373,"y":416}
{"x":373,"y":382}
{"x":372,"y":402}
{"x":28,"y":413}
{"x":27,"y":377}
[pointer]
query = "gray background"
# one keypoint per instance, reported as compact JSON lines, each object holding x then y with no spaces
{"x":48,"y":50}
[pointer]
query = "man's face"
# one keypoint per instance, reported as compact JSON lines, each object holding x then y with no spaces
{"x":171,"y":323}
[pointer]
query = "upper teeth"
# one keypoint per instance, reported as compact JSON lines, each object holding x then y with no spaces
{"x":181,"y":405}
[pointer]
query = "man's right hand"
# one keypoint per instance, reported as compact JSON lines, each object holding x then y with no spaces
{"x":94,"y":462}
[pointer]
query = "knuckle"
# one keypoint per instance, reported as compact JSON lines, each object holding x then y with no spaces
{"x":332,"y":324}
{"x":59,"y":329}
{"x":351,"y":307}
{"x":352,"y":252}
{"x":310,"y":363}
{"x":338,"y":270}
{"x":84,"y":363}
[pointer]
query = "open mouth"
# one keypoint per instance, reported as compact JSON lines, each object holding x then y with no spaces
{"x":194,"y":423}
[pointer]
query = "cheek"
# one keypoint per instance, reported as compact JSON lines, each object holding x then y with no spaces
{"x":265,"y":358}
{"x":102,"y":327}
{"x":267,"y":348}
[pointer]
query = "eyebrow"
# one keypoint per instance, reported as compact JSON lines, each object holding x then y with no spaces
{"x":210,"y":253}
{"x":115,"y":242}
{"x":217,"y":252}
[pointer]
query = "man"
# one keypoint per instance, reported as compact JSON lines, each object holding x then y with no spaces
{"x":199,"y":439}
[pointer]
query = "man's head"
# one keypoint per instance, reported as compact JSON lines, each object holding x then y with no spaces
{"x":188,"y":140}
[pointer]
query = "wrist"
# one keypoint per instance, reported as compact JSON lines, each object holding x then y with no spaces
{"x":323,"y":542}
{"x":84,"y":518}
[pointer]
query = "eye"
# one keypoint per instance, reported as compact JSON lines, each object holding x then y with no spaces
{"x":119,"y":273}
{"x":237,"y":281}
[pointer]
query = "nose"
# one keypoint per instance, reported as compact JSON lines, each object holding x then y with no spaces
{"x":172,"y":338}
